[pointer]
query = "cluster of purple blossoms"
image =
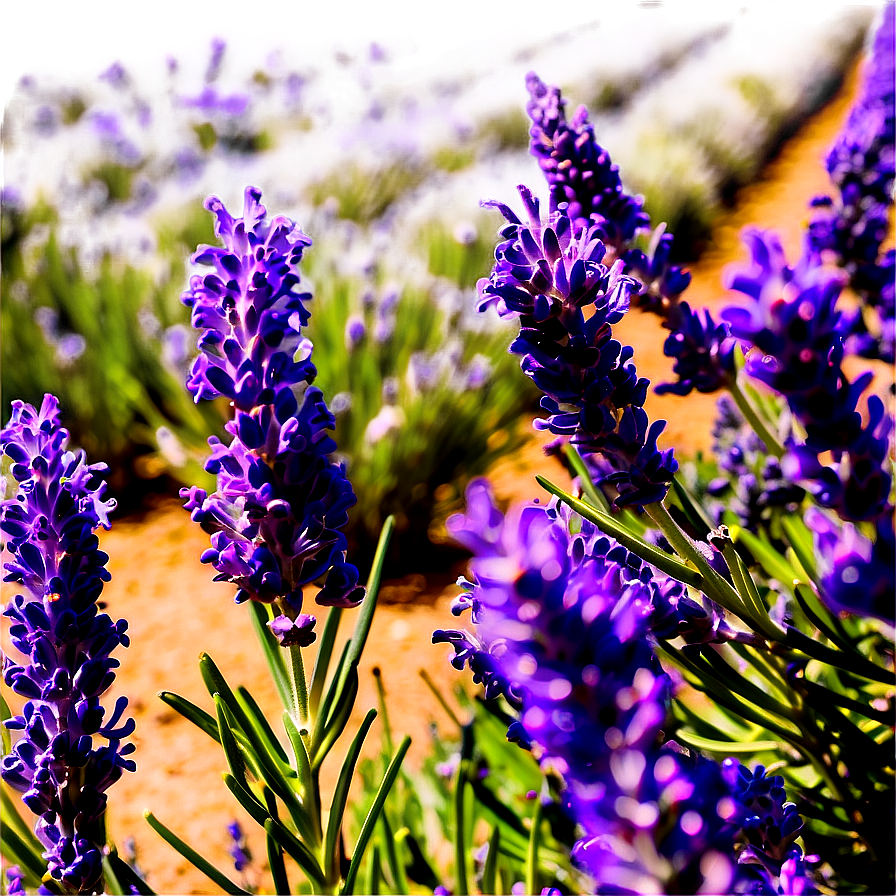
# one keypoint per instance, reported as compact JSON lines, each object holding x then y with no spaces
{"x":753,"y":484}
{"x":583,"y":179}
{"x":858,"y":575}
{"x":59,"y":763}
{"x":862,"y":162}
{"x":703,"y":351}
{"x":771,"y":860}
{"x":551,"y":276}
{"x":281,"y":501}
{"x":796,"y":332}
{"x":566,"y":620}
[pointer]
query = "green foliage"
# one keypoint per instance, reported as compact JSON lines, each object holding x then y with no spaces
{"x":505,"y":131}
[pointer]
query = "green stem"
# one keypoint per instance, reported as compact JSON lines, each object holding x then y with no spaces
{"x":714,"y":586}
{"x":532,"y":851}
{"x":460,"y":851}
{"x":753,"y":417}
{"x":296,"y":669}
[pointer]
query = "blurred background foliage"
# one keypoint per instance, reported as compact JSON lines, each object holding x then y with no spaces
{"x":101,"y":210}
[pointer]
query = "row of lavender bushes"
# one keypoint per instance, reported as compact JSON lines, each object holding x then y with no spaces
{"x":633,"y":642}
{"x":99,"y":304}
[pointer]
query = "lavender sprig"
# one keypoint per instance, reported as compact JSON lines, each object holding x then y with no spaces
{"x":570,"y":625}
{"x":548,"y":275}
{"x":281,"y":501}
{"x":794,"y":325}
{"x":57,"y":764}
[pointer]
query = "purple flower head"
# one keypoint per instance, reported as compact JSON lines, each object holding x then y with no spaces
{"x":239,"y":849}
{"x":857,"y":573}
{"x":797,"y":334}
{"x":566,"y":618}
{"x":354,"y":332}
{"x":48,"y":527}
{"x":281,"y":501}
{"x":115,"y":75}
{"x":551,"y":276}
{"x":13,"y":196}
{"x":249,"y":309}
{"x":216,"y":58}
{"x":211,"y":102}
{"x":753,"y":485}
{"x":703,"y":352}
{"x":298,"y":631}
{"x":424,"y":371}
{"x":579,"y":172}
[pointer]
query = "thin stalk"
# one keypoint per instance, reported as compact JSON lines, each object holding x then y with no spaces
{"x":441,"y":700}
{"x":532,"y":851}
{"x":754,"y":418}
{"x":460,"y":849}
{"x":296,"y":668}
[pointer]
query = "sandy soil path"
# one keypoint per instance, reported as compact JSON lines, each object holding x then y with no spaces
{"x":175,"y":610}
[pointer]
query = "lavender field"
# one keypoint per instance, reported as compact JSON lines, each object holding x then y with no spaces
{"x":455,"y":466}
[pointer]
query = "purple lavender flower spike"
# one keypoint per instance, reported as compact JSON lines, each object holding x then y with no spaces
{"x":857,"y":573}
{"x":55,"y":558}
{"x":772,"y":862}
{"x":239,"y":850}
{"x":549,"y":275}
{"x":567,"y":618}
{"x":797,"y":331}
{"x":583,"y":179}
{"x":703,"y":352}
{"x":281,"y":502}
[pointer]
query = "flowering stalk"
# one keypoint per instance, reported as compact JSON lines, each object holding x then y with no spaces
{"x":568,"y":621}
{"x":49,"y":529}
{"x":552,"y":278}
{"x":281,"y":501}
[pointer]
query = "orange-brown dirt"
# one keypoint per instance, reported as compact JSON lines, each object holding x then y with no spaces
{"x":175,"y":610}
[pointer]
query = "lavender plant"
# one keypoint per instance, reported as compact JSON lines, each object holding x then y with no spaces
{"x":60,"y":763}
{"x":276,"y":521}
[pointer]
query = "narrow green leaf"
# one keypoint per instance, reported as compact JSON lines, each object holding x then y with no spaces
{"x":532,"y":852}
{"x":272,"y":650}
{"x":320,"y":721}
{"x":231,"y":750}
{"x":373,"y":814}
{"x":11,"y":817}
{"x":724,"y":746}
{"x":490,"y":871}
{"x":695,"y":513}
{"x":110,"y":878}
{"x":295,"y":848}
{"x":215,"y":683}
{"x":339,"y":720}
{"x":749,"y":593}
{"x":5,"y":736}
{"x":21,"y":853}
{"x":800,"y":540}
{"x":649,"y":554}
{"x":593,"y":494}
{"x":246,"y":799}
{"x":771,"y":561}
{"x":365,"y":618}
{"x":253,"y":710}
{"x":340,"y":795}
{"x":193,"y":857}
{"x":460,"y":827}
{"x":127,"y":878}
{"x":322,"y":660}
{"x":190,"y":711}
{"x":390,"y":844}
{"x":372,"y":879}
{"x":277,"y":865}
